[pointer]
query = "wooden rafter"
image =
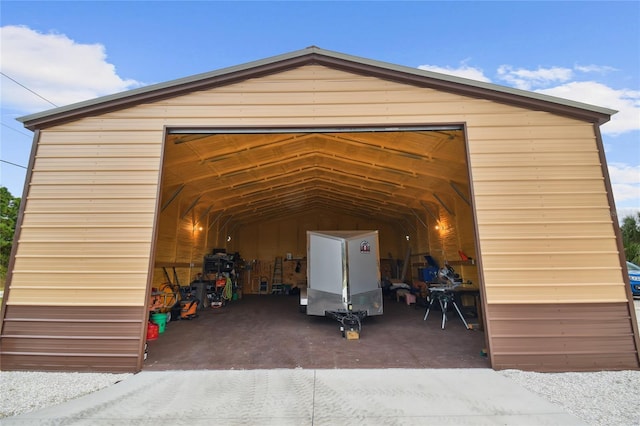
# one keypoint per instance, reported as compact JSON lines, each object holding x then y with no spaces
{"x":389,"y":174}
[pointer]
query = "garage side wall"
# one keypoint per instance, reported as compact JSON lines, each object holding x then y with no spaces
{"x":552,"y":277}
{"x":76,"y":298}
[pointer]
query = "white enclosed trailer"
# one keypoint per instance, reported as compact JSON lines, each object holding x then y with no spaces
{"x":343,"y":277}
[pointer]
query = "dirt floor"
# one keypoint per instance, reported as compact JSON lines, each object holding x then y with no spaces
{"x":265,"y":332}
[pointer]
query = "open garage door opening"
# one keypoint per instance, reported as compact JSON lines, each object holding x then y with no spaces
{"x":235,"y":210}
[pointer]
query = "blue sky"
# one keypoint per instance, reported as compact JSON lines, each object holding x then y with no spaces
{"x":72,"y":51}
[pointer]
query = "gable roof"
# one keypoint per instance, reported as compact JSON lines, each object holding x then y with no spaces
{"x":318,"y":56}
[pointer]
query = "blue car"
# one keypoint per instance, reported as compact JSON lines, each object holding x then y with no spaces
{"x":634,"y":278}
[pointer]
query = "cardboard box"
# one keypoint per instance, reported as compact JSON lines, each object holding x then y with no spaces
{"x":352,"y":335}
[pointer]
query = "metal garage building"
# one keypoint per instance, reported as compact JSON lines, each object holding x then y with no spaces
{"x":249,"y":158}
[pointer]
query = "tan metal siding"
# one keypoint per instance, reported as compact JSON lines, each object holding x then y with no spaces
{"x":313,"y":95}
{"x":554,"y":291}
{"x":536,"y":178}
{"x":544,"y":209}
{"x":86,"y":232}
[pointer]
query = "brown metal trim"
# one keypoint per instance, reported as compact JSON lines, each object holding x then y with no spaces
{"x":72,"y":338}
{"x":465,"y":90}
{"x":481,"y":286}
{"x":80,"y":363}
{"x":237,"y":74}
{"x":138,"y":97}
{"x":562,"y":337}
{"x":18,"y":230}
{"x":564,"y":363}
{"x":276,"y":129}
{"x":152,"y":251}
{"x":618,"y":233}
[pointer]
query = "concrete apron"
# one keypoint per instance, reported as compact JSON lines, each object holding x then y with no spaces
{"x":308,"y":397}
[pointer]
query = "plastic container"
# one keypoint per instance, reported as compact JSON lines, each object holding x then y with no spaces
{"x":152,"y":331}
{"x":159,"y":318}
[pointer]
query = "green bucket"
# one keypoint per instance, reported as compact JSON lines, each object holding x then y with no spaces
{"x":159,"y":318}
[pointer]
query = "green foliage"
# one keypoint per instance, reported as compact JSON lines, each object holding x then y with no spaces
{"x":630,"y":230}
{"x":9,"y":207}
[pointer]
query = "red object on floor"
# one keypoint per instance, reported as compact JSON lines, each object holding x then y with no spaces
{"x":152,"y":331}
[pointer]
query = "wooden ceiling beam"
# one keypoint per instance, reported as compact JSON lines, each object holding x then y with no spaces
{"x":172,"y":197}
{"x":387,"y":174}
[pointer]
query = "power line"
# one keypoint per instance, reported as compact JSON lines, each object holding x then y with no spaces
{"x":15,"y":130}
{"x":25,"y":87}
{"x":13,"y":164}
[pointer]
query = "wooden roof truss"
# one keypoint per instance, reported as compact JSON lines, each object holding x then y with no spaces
{"x":262,"y":176}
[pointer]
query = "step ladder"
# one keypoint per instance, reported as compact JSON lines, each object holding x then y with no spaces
{"x":277,"y":286}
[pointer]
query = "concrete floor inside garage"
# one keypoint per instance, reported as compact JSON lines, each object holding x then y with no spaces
{"x":268,"y":331}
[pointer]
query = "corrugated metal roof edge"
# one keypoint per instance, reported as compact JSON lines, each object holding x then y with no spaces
{"x":310,"y":55}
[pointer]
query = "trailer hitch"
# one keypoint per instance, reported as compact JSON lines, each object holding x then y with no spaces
{"x":350,"y":322}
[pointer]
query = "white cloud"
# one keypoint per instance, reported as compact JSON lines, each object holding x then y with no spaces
{"x":561,"y":82}
{"x":55,"y":67}
{"x":557,"y":81}
{"x":625,"y":181}
{"x":462,"y":71}
{"x":625,"y":101}
{"x":601,"y":69}
{"x":624,"y":173}
{"x":528,"y":79}
{"x":627,"y":211}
